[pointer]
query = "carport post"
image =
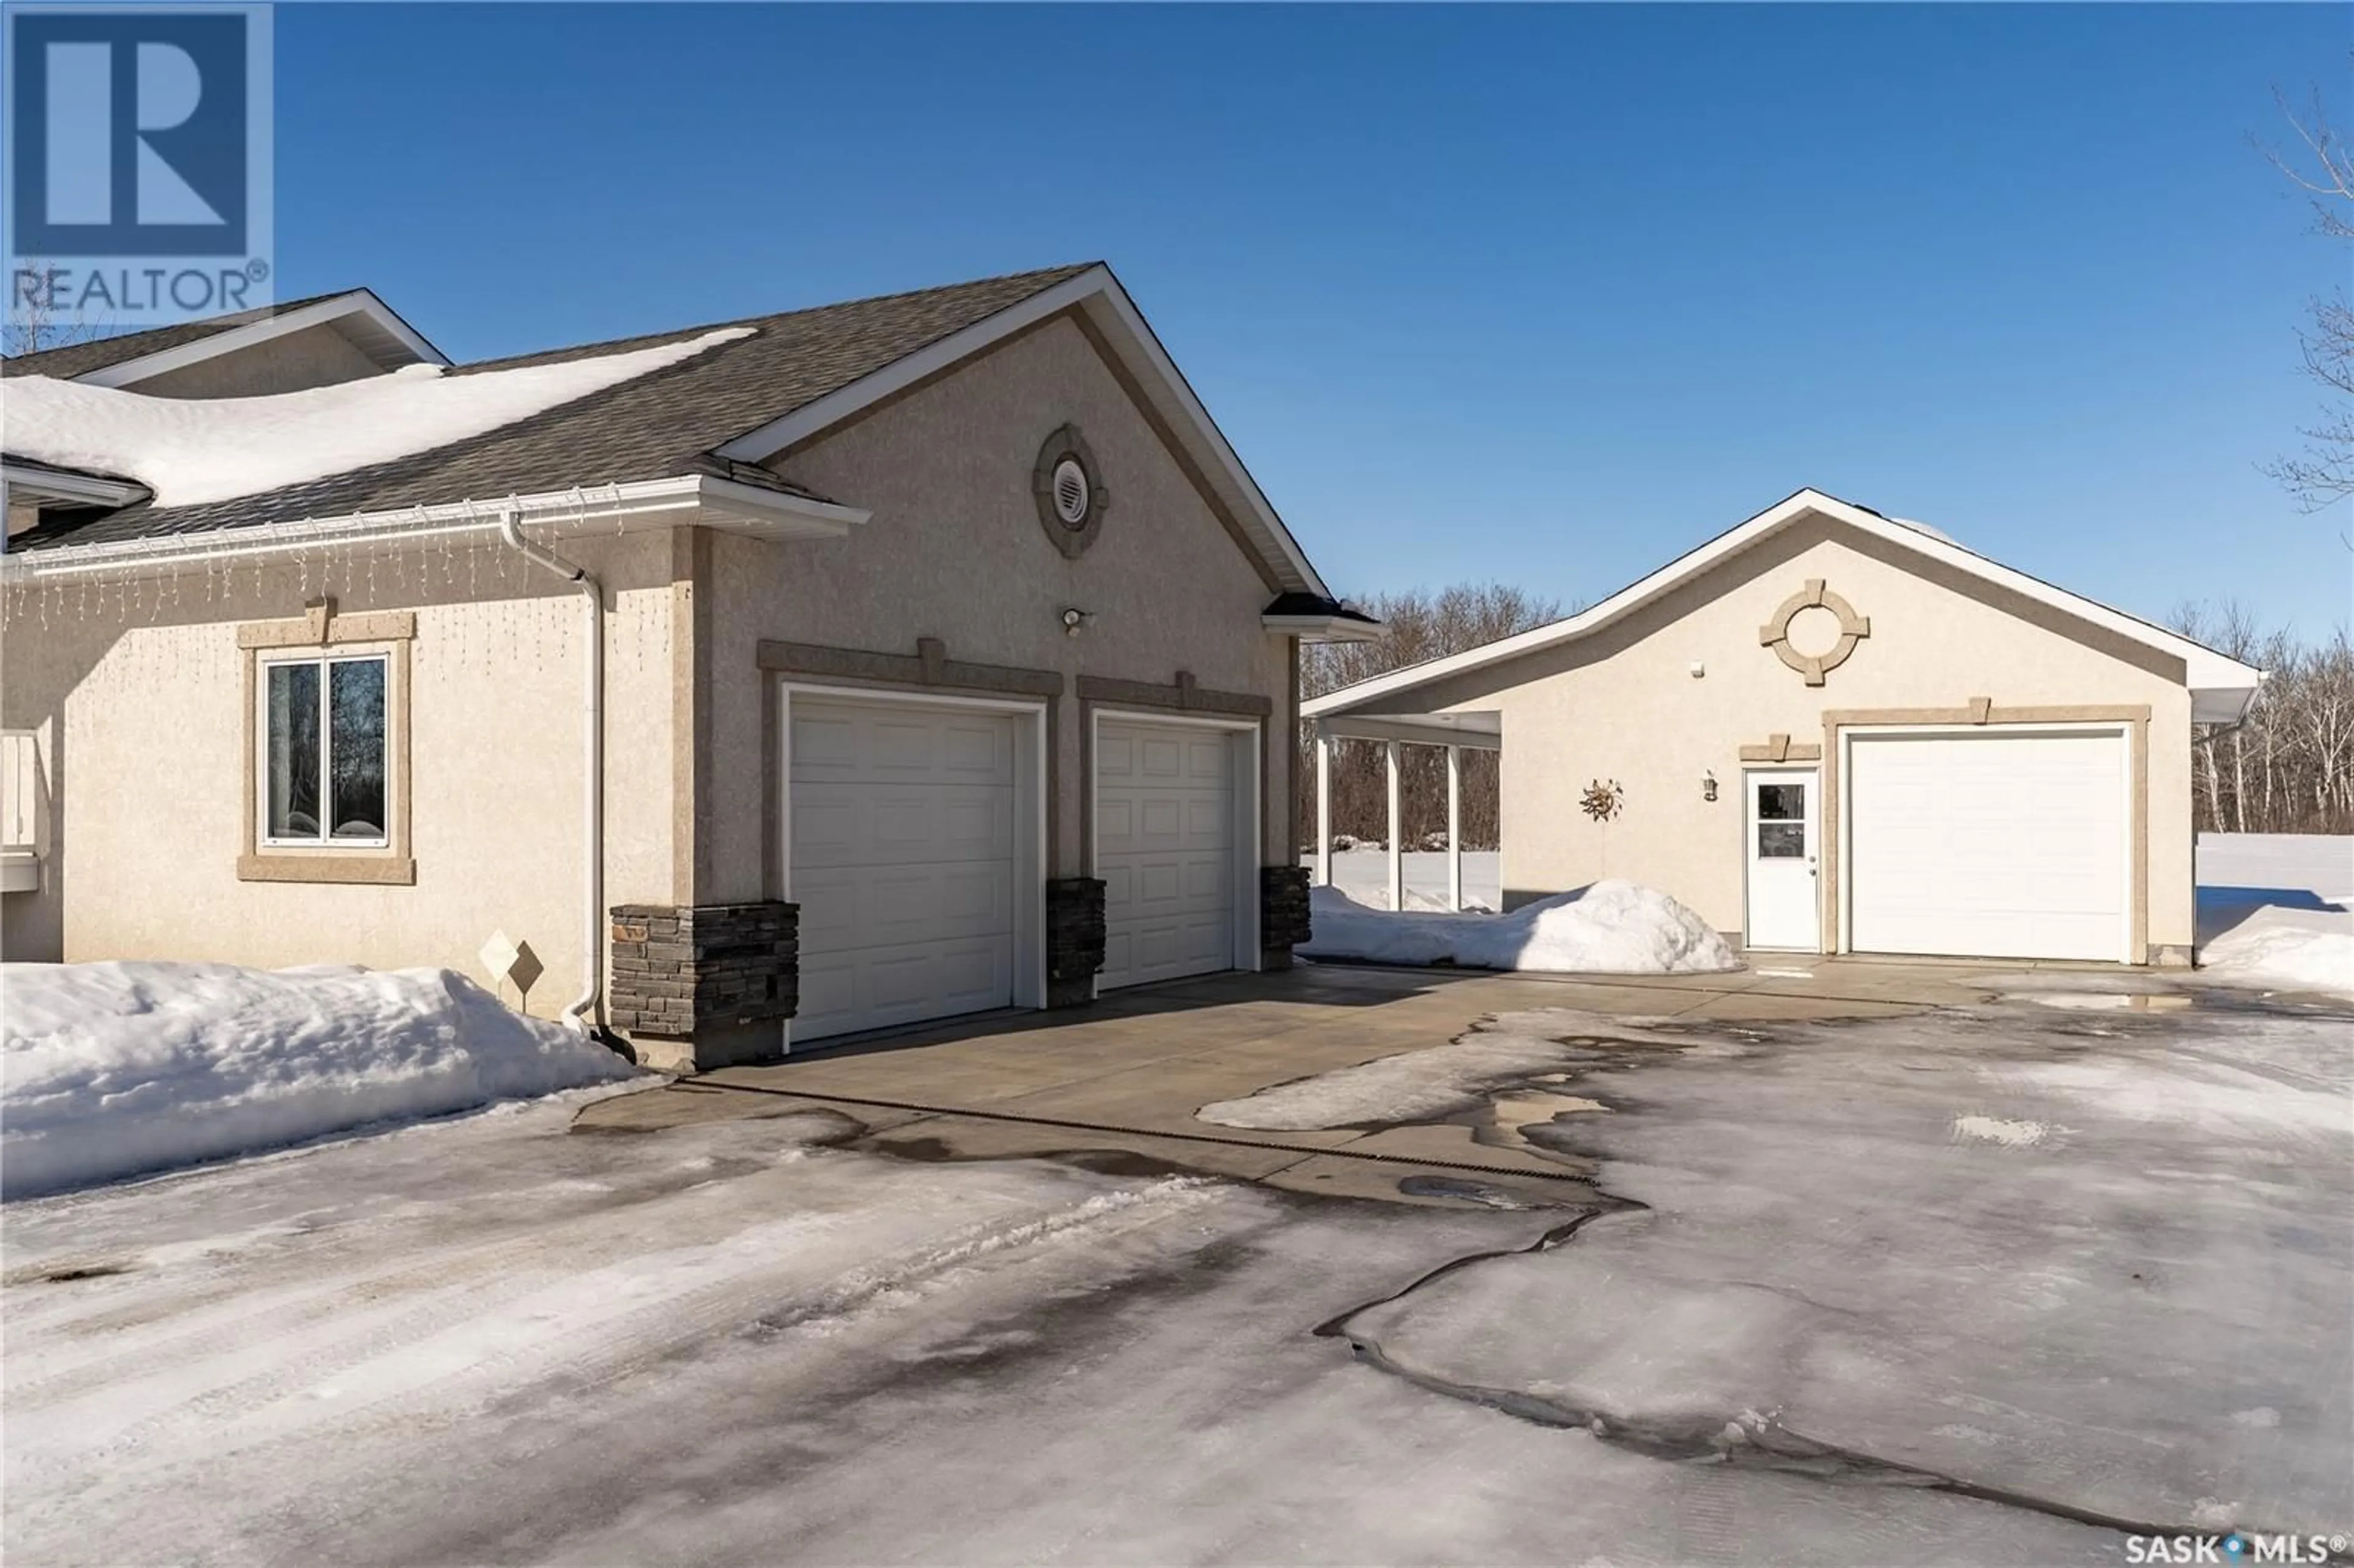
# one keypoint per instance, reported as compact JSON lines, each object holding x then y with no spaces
{"x":1454,"y":829}
{"x":1323,"y":803}
{"x":1397,"y":845}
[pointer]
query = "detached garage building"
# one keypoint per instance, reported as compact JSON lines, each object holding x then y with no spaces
{"x":939,"y":655}
{"x":1832,"y":731}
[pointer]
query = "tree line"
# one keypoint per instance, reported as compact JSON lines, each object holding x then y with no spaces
{"x":1423,"y":625}
{"x":2289,"y":766}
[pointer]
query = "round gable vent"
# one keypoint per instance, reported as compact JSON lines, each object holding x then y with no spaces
{"x":1071,"y":493}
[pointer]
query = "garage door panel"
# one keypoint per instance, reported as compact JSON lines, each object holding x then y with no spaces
{"x":1989,"y":845}
{"x":1165,"y":851}
{"x":902,"y":860}
{"x":868,"y":824}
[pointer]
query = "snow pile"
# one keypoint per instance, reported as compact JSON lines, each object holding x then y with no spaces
{"x":2286,"y":949}
{"x":1611,"y":927}
{"x":190,"y":450}
{"x":2277,"y":910}
{"x":116,"y":1069}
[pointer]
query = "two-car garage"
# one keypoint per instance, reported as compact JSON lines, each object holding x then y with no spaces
{"x":917,"y":842}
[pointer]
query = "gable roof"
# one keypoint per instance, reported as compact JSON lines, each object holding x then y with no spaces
{"x":2221,"y":686}
{"x":119,"y":360}
{"x":725,"y":411}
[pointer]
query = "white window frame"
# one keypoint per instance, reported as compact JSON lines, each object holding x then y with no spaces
{"x":320,"y":658}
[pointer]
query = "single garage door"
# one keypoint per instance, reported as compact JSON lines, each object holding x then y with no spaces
{"x":1989,"y":845}
{"x":1165,"y":850}
{"x":902,"y":863}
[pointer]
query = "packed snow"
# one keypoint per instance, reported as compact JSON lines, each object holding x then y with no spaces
{"x":2277,"y":910}
{"x":1416,"y":1085}
{"x":190,"y":450}
{"x":492,"y":1339}
{"x":1610,"y":927}
{"x":113,"y":1070}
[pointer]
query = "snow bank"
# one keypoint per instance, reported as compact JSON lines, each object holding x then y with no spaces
{"x":194,"y":449}
{"x":2277,"y":910}
{"x":1611,"y":927}
{"x":118,"y":1069}
{"x":2286,"y":949}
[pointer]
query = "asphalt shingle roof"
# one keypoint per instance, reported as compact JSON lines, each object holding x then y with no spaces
{"x":658,"y":425}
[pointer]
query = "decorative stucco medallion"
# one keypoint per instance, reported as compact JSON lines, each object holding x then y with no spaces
{"x":1852,"y":629}
{"x":1070,"y":492}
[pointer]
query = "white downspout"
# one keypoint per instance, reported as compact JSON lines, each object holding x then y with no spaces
{"x":581,"y":1014}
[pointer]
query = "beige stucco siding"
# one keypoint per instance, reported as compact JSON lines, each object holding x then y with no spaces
{"x":955,"y":551}
{"x":143,"y":712}
{"x":314,"y":356}
{"x":1622,"y":704}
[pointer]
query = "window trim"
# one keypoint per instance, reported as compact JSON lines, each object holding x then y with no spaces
{"x":321,"y":636}
{"x":324,"y":662}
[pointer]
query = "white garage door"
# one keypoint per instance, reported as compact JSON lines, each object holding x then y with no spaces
{"x":902,"y":863}
{"x":1165,"y":850}
{"x":1989,"y":845}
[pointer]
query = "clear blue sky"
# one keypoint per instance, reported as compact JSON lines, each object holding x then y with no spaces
{"x":1540,"y":294}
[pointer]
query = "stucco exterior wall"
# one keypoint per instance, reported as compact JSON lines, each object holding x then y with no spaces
{"x":955,"y":551}
{"x":143,"y":709}
{"x":1622,"y":704}
{"x":314,"y":356}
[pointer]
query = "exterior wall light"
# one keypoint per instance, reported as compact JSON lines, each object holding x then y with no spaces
{"x":1075,"y":620}
{"x":1708,"y":785}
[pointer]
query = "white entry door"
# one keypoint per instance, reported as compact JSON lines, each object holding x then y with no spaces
{"x":902,"y":862}
{"x":1784,"y":818}
{"x":1165,"y":850}
{"x":1990,"y":844}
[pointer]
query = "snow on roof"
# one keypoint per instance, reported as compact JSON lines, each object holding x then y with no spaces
{"x":190,"y":450}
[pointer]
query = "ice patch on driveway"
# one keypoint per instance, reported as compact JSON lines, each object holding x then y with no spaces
{"x":1995,"y":1129}
{"x":1421,"y":1085}
{"x":1812,"y":1249}
{"x":1411,"y":1086}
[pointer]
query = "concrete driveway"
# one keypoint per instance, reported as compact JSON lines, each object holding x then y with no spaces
{"x":1126,"y":1075}
{"x":2058,"y":1236}
{"x":1866,"y":1266}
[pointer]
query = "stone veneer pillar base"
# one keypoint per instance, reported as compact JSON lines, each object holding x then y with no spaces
{"x":1075,"y":939}
{"x":1283,"y":913}
{"x":703,"y":986}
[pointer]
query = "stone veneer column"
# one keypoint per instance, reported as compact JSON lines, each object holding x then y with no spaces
{"x":1075,"y":939}
{"x":1283,"y":913}
{"x":707,"y":985}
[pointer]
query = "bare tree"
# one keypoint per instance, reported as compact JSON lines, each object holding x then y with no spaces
{"x":2323,"y":166}
{"x":1423,"y":626}
{"x":2287,"y":767}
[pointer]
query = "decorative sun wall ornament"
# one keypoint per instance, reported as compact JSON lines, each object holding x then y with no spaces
{"x":1852,"y":629}
{"x":1603,"y":800}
